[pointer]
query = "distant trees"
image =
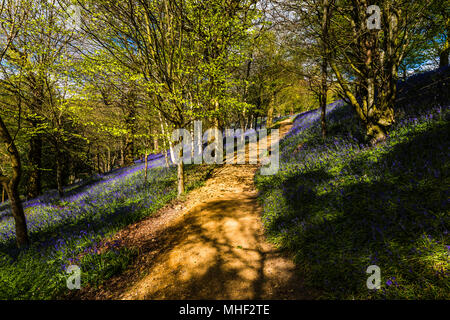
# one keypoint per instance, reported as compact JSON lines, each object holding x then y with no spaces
{"x":269,"y":75}
{"x":307,"y":24}
{"x":435,"y":30}
{"x":181,"y":50}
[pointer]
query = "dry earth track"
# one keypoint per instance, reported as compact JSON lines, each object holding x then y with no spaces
{"x":211,"y":245}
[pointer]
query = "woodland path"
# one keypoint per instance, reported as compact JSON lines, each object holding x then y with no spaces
{"x":208,"y":246}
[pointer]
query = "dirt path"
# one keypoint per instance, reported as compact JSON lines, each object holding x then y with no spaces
{"x":210,"y":246}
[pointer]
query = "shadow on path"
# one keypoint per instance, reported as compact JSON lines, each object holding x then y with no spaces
{"x":212,"y":248}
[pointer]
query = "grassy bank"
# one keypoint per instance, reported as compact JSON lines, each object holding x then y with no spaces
{"x":341,"y":205}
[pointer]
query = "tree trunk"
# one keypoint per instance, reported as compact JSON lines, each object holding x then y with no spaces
{"x":166,"y":159}
{"x":163,"y":131}
{"x":169,"y":143}
{"x":59,"y":173}
{"x":146,"y":167}
{"x":130,"y":122}
{"x":98,"y":161}
{"x":217,"y":123}
{"x":443,"y":57}
{"x":70,"y":172}
{"x":180,"y":173}
{"x":108,"y":154}
{"x":34,"y":188}
{"x":242,"y":123}
{"x":11,"y":185}
{"x":324,"y":66}
{"x":129,"y":151}
{"x":191,"y":132}
{"x":122,"y":154}
{"x":323,"y":108}
{"x":35,"y":158}
{"x":22,"y":239}
{"x":375,"y":131}
{"x":155,"y":144}
{"x":270,"y":112}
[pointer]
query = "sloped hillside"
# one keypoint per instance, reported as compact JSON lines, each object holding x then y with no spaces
{"x":342,"y":205}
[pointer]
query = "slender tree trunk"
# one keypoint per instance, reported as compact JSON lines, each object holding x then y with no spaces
{"x":129,"y":151}
{"x":192,"y":140}
{"x":34,"y":188}
{"x":59,"y":173}
{"x":105,"y":161}
{"x":166,"y":158}
{"x":323,"y":109}
{"x":70,"y":172}
{"x":270,"y":112}
{"x":122,"y":153}
{"x":163,"y":131}
{"x":171,"y":151}
{"x":216,"y":121}
{"x":180,"y":173}
{"x":324,"y":67}
{"x":169,"y":143}
{"x":323,"y":97}
{"x":98,"y":161}
{"x":130,"y":122}
{"x":443,"y":56}
{"x":146,"y":167}
{"x":113,"y":160}
{"x":242,"y":123}
{"x":109,"y":160}
{"x":35,"y":158}
{"x":155,"y":144}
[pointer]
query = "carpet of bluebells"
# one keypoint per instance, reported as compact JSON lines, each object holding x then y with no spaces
{"x":69,"y":231}
{"x":341,"y":205}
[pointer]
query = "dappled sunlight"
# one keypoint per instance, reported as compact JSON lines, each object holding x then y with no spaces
{"x":213,"y":248}
{"x":218,"y":249}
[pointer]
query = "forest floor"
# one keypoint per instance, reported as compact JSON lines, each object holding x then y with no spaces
{"x":208,"y":245}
